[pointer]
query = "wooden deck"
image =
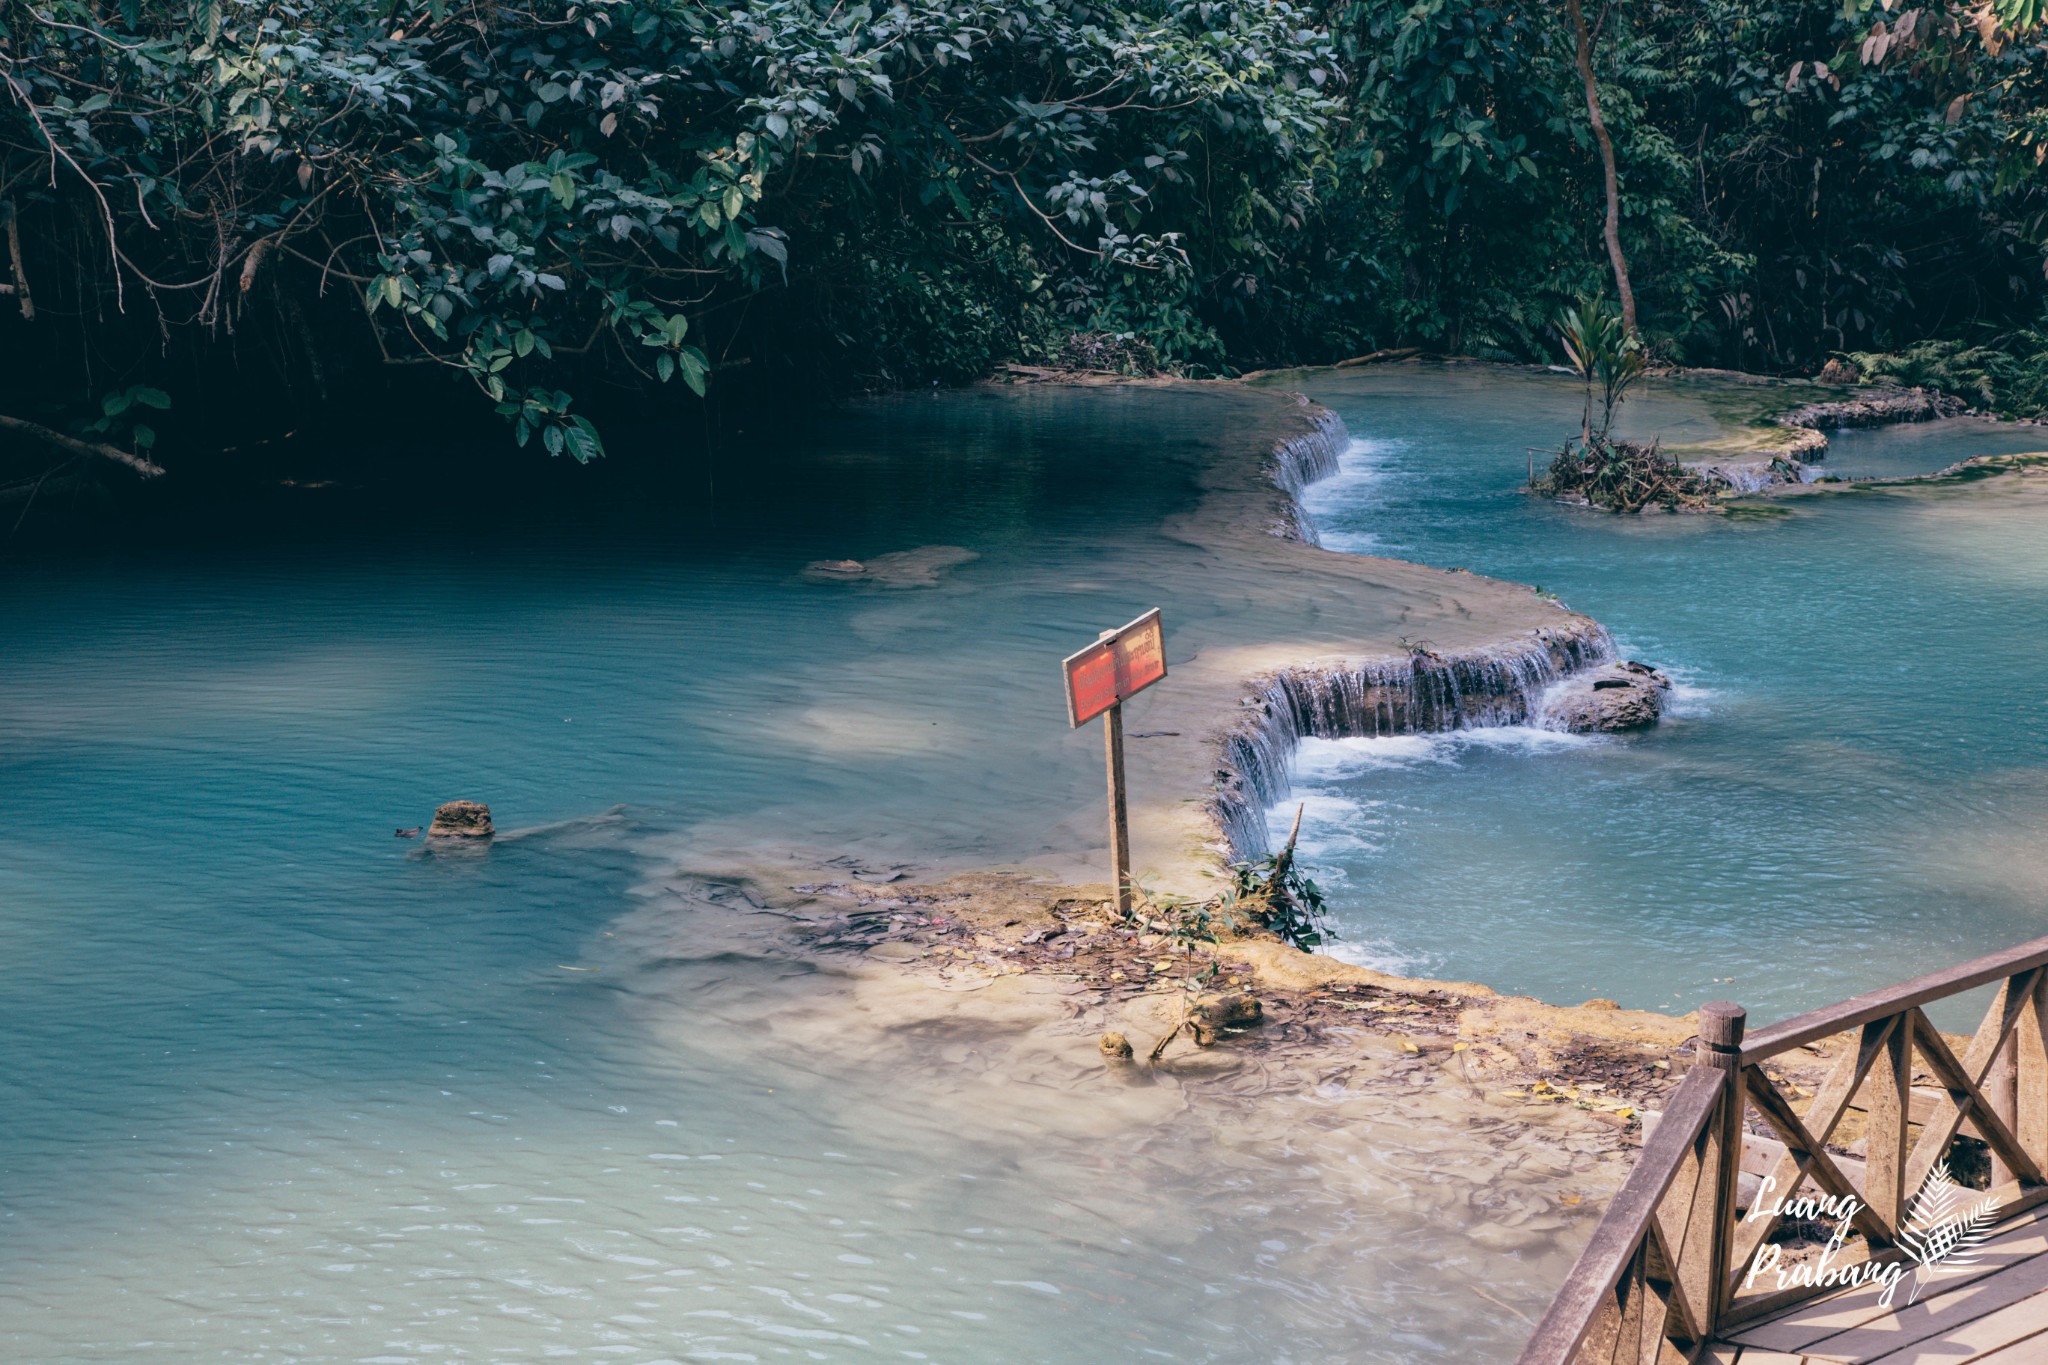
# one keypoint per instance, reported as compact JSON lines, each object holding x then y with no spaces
{"x":1997,"y":1311}
{"x":1665,"y":1279}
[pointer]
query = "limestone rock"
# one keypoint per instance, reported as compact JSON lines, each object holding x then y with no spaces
{"x":1624,"y":696}
{"x":1212,"y":1014}
{"x":1877,"y":408}
{"x":1233,"y":1010}
{"x":461,"y":820}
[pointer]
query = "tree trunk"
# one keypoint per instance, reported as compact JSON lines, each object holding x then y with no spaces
{"x":1620,"y":262}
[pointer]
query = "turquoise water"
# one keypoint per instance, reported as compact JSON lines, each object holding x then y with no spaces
{"x":1853,"y":786}
{"x":280,"y":1087}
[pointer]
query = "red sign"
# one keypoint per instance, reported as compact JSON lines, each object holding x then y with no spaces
{"x":1115,"y":668}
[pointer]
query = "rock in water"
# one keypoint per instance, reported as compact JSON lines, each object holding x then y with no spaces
{"x":1214,"y":1013}
{"x":834,"y":570}
{"x":1115,"y":1046}
{"x":461,"y":820}
{"x":923,"y":567}
{"x":1625,"y":696}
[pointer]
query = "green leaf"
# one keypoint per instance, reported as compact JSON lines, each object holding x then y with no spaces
{"x":563,"y":186}
{"x":152,"y":398}
{"x":694,"y":367}
{"x":583,"y":440}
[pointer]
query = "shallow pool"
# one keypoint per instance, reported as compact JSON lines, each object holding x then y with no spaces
{"x":278,"y":1086}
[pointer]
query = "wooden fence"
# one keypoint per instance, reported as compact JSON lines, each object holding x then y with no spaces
{"x":1665,"y":1270}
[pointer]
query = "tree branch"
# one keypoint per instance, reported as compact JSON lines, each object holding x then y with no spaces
{"x":148,"y":469}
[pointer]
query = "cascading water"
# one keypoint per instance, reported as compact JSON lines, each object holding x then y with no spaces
{"x":1302,"y":460}
{"x":1423,"y":693}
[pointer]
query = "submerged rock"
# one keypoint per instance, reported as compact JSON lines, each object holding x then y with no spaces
{"x":461,"y":820}
{"x":919,"y":568}
{"x":1624,"y":696}
{"x":830,"y":569}
{"x":1115,"y":1046}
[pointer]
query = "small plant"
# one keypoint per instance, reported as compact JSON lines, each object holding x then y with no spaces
{"x":1622,"y":476}
{"x":1605,"y":356}
{"x":121,"y":416}
{"x":1183,"y":921}
{"x":1275,"y":894}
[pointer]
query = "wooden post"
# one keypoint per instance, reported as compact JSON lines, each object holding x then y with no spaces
{"x":1119,"y":665}
{"x":2001,"y":1087}
{"x":2032,"y":1068}
{"x":1119,"y":818}
{"x":1721,"y":1025}
{"x":1888,"y":1100}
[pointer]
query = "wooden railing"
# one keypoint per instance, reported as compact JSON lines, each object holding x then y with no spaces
{"x":1668,"y":1267}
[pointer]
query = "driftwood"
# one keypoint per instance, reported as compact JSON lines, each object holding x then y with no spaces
{"x":148,"y":469}
{"x":1378,"y":357}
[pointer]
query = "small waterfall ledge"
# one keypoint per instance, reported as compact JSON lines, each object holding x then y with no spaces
{"x":1423,"y":692}
{"x":1299,"y":461}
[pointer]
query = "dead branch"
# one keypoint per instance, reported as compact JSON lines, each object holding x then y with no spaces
{"x":148,"y":469}
{"x":28,"y":307}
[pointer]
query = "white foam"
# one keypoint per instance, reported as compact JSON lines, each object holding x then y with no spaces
{"x":1379,"y":956}
{"x":1332,"y":825}
{"x":1334,"y":759}
{"x":1360,"y":465}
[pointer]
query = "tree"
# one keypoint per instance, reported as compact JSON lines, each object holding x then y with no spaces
{"x":1612,"y":180}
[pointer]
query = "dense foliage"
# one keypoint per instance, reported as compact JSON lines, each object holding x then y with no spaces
{"x":1798,"y":177}
{"x":256,"y":207}
{"x":519,"y":193}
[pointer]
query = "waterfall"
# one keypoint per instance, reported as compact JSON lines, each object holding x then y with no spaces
{"x":1423,"y":693}
{"x":1300,"y":461}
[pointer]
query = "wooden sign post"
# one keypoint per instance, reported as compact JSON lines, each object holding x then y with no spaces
{"x":1120,"y":664}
